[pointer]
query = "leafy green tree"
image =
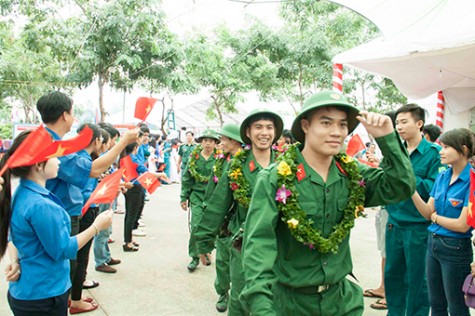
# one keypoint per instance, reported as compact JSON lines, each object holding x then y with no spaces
{"x":210,"y":66}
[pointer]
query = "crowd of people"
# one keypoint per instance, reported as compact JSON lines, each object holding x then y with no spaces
{"x":277,"y":205}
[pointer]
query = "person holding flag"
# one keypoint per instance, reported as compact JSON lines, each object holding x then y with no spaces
{"x":193,"y":187}
{"x":134,"y":197}
{"x":449,"y":251}
{"x":231,"y":143}
{"x":296,"y":249}
{"x":231,"y":198}
{"x":40,"y":229}
{"x":56,"y":110}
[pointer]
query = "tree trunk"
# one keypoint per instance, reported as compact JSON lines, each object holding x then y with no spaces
{"x":164,"y":118}
{"x":217,"y":106}
{"x":100,"y":83}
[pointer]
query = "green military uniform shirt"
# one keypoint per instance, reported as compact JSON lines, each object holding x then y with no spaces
{"x":271,"y":254}
{"x":184,"y":152}
{"x":425,"y":161}
{"x":222,"y":201}
{"x":191,"y":189}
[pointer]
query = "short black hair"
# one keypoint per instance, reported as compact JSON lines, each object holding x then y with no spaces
{"x":190,"y":132}
{"x":144,"y":129}
{"x":113,"y":132}
{"x":433,"y":131}
{"x":457,"y":138}
{"x":52,"y":105}
{"x":417,"y":113}
{"x":262,"y":117}
{"x":96,"y":131}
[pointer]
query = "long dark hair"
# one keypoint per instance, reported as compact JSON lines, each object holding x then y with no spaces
{"x":6,"y":193}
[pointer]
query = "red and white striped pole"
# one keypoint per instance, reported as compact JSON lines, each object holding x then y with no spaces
{"x":439,"y":120}
{"x":338,"y":78}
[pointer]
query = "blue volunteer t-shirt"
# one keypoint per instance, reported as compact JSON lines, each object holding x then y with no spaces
{"x":450,"y":199}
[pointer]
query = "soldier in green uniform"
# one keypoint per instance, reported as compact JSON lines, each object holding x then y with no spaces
{"x":231,"y":143}
{"x":185,"y":151}
{"x":259,"y":130}
{"x":406,"y":230}
{"x":193,"y":187}
{"x":296,"y":253}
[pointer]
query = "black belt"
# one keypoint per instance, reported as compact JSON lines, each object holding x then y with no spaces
{"x":308,"y":289}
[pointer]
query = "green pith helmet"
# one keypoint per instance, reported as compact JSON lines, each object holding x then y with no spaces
{"x":209,"y":133}
{"x":279,"y":123}
{"x":232,"y":131}
{"x":320,"y":100}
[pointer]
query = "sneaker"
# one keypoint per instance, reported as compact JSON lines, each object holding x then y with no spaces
{"x":141,"y":223}
{"x":119,"y":212}
{"x":138,"y":233}
{"x":193,"y":264}
{"x":222,"y":304}
{"x":106,"y":269}
{"x":113,"y":261}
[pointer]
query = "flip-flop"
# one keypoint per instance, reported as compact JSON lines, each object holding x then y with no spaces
{"x":379,"y":305}
{"x":370,"y":293}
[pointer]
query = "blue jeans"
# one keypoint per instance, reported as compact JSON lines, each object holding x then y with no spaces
{"x":102,"y":253}
{"x":448,"y":263}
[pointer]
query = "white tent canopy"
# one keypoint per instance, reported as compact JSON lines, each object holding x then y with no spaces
{"x":427,"y":46}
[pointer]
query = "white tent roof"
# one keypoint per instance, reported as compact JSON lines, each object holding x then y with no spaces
{"x":427,"y":46}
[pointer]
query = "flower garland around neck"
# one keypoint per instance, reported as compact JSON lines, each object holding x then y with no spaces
{"x":302,"y":228}
{"x":220,"y":157}
{"x":237,"y":182}
{"x":194,"y":156}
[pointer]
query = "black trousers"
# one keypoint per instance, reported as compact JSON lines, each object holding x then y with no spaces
{"x":134,"y":203}
{"x":52,"y":306}
{"x":83,"y":255}
{"x":74,"y":232}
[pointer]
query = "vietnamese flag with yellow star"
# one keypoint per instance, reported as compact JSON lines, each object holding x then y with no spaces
{"x":149,"y":182}
{"x":471,"y":201}
{"x":129,"y":167}
{"x":106,"y":191}
{"x":38,"y":146}
{"x":143,"y":106}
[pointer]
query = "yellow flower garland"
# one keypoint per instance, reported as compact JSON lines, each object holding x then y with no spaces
{"x":295,"y":217}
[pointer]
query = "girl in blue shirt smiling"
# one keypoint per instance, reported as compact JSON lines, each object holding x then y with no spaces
{"x":449,"y":252}
{"x":39,"y":228}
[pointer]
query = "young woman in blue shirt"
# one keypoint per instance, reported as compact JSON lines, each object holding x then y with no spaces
{"x":39,"y":228}
{"x":449,"y":251}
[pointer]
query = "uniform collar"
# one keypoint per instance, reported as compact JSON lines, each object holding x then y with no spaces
{"x":304,"y":172}
{"x":253,"y":165}
{"x":52,"y":133}
{"x":33,"y":186}
{"x":464,"y":175}
{"x":423,"y":146}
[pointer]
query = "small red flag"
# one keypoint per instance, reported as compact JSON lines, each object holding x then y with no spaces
{"x":252,"y":166}
{"x":143,"y":106}
{"x":129,"y":167}
{"x":471,"y":201}
{"x":149,"y":182}
{"x":354,"y":145}
{"x":300,"y":172}
{"x":38,"y":146}
{"x":371,"y":164}
{"x":106,"y":191}
{"x":65,"y":147}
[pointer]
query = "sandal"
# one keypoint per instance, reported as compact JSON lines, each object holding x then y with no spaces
{"x":371,"y":293}
{"x":93,"y":285}
{"x":379,"y":305}
{"x":75,"y":310}
{"x":129,"y":249}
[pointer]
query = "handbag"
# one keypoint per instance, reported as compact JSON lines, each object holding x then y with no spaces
{"x":468,"y":289}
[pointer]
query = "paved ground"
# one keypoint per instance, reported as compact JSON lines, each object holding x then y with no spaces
{"x":155,"y":281}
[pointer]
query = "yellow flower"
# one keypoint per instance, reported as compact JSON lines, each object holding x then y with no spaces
{"x":214,"y":169}
{"x":284,"y":169}
{"x":219,"y":152}
{"x":359,"y":211}
{"x":346,"y":159}
{"x":236,"y":173}
{"x":292,"y":223}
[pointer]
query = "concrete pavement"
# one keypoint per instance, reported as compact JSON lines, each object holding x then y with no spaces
{"x":155,"y":281}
